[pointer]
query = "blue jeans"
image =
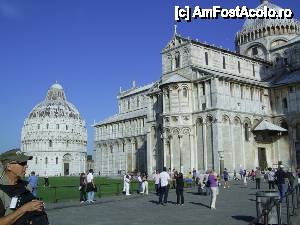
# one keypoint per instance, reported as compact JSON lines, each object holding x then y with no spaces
{"x":282,"y":190}
{"x":91,"y":196}
{"x":34,"y":192}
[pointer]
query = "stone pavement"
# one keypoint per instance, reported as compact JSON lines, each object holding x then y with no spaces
{"x":235,"y":206}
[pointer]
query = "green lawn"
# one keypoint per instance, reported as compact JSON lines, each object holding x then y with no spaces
{"x":66,"y":188}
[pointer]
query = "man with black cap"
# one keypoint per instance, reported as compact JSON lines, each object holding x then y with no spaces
{"x":17,"y":204}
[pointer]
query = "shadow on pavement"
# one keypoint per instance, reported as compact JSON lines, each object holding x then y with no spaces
{"x":154,"y":202}
{"x":199,"y":203}
{"x":244,"y":218}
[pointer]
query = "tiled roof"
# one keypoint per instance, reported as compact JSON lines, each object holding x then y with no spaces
{"x":265,"y":125}
{"x":123,"y":116}
{"x":175,"y":79}
{"x":293,"y":77}
{"x":136,"y":90}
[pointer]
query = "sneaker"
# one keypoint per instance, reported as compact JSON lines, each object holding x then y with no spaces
{"x":212,"y":208}
{"x":82,"y":202}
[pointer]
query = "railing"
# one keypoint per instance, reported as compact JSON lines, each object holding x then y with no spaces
{"x":292,"y":198}
{"x":64,"y":192}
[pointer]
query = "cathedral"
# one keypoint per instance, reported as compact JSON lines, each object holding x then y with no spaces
{"x":212,"y":108}
{"x":56,"y":136}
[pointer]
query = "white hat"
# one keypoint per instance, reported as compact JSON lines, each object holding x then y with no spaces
{"x":281,"y":166}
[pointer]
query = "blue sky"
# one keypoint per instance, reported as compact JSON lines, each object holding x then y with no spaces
{"x":91,"y":48}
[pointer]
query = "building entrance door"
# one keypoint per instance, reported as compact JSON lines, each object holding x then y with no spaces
{"x":262,"y":158}
{"x":66,"y":169}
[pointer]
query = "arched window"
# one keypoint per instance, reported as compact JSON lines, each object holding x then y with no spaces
{"x":50,"y":143}
{"x":36,"y":160}
{"x":67,"y":127}
{"x":57,"y":126}
{"x":38,"y":126}
{"x":47,"y":126}
{"x":247,"y":132}
{"x":177,"y":60}
{"x":184,"y":92}
{"x":56,"y":160}
{"x":239,"y":66}
{"x":46,"y":160}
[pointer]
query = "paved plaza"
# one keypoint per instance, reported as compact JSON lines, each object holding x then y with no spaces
{"x":235,"y":206}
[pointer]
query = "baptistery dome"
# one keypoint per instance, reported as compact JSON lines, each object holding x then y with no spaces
{"x":55,"y":135}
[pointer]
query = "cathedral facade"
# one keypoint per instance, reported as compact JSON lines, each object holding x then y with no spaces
{"x":212,"y":108}
{"x":56,"y":136}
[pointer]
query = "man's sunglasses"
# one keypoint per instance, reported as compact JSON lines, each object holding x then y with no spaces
{"x":20,"y":163}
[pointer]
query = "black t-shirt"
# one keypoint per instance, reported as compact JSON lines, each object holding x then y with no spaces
{"x":280,"y":175}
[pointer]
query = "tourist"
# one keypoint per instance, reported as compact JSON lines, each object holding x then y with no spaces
{"x":291,"y":179}
{"x":46,"y":180}
{"x":17,"y":203}
{"x":90,"y":187}
{"x":234,"y":175}
{"x":213,"y":184}
{"x":179,"y":189}
{"x":156,"y":179}
{"x":194,"y":175}
{"x":127,"y":184}
{"x":245,"y":177}
{"x":33,"y":182}
{"x":280,"y":177}
{"x":271,"y":178}
{"x":139,"y":188}
{"x":124,"y":183}
{"x":257,"y":177}
{"x":145,"y":184}
{"x":242,"y":173}
{"x":173,"y":176}
{"x":82,"y":187}
{"x":298,"y":175}
{"x":252,"y":175}
{"x":189,"y":179}
{"x":226,"y":177}
{"x":164,"y":186}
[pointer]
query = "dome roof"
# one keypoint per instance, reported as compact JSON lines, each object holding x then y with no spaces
{"x":55,"y":105}
{"x":253,"y":24}
{"x":56,"y":86}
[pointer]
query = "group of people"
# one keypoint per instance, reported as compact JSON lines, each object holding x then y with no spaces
{"x":283,"y":179}
{"x":143,"y":187}
{"x":87,"y":186}
{"x":165,"y":180}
